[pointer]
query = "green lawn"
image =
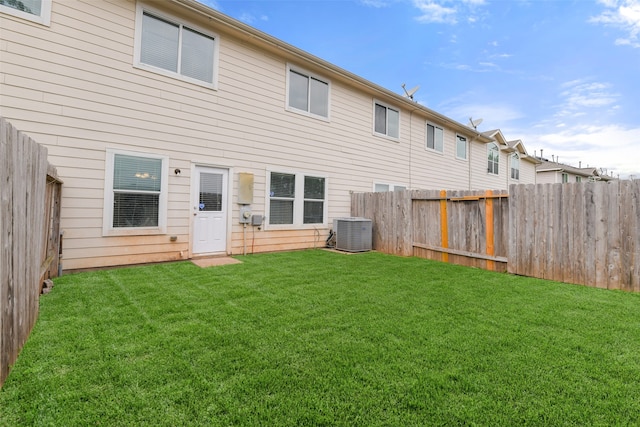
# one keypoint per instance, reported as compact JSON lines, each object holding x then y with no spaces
{"x":318,"y":338}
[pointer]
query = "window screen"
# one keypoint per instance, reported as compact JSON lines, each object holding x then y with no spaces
{"x":298,"y":91}
{"x":282,"y":194}
{"x":493,"y":158}
{"x":381,"y":119}
{"x":308,"y":94}
{"x":461,"y":147}
{"x":197,"y":56}
{"x":136,"y":186}
{"x":159,"y":43}
{"x":313,"y":200}
{"x":176,"y":48}
{"x":435,"y":138}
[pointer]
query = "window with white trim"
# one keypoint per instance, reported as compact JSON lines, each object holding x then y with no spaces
{"x":135,"y":193}
{"x":32,"y":10}
{"x":297,"y":199}
{"x":515,"y":166}
{"x":386,"y":120}
{"x":461,"y":147}
{"x":578,"y":179}
{"x":170,"y":47}
{"x":381,"y":188}
{"x":435,"y":138}
{"x":565,"y":178}
{"x":493,"y":159}
{"x":307,"y":93}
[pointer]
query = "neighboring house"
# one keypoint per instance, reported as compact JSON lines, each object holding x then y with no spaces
{"x":172,"y":125}
{"x":549,"y":172}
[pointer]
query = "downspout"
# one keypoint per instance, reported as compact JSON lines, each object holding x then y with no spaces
{"x":469,"y":160}
{"x":411,"y":147}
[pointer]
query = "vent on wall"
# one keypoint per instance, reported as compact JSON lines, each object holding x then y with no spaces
{"x":352,"y":234}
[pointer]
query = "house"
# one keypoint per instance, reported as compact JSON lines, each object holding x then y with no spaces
{"x":551,"y":172}
{"x":181,"y":132}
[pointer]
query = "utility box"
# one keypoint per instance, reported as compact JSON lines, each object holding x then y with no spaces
{"x":245,"y":188}
{"x":353,"y":234}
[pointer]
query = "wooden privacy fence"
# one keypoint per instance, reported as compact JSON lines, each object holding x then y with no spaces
{"x":461,"y":227}
{"x":583,"y":233}
{"x":30,"y":237}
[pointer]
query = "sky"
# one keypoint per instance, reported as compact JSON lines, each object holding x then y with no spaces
{"x":563,"y":76}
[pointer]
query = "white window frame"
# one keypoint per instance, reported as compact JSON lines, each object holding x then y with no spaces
{"x":564,"y":177}
{"x":140,"y":9}
{"x":388,"y":107}
{"x":309,"y":75}
{"x":493,"y":166}
{"x":466,"y":147}
{"x":390,"y":187}
{"x":435,"y":147}
{"x":516,"y":157}
{"x":298,"y":200}
{"x":44,"y":18}
{"x":107,"y":221}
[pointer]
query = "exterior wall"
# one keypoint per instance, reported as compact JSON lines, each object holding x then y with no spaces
{"x":548,"y":177}
{"x":73,"y":88}
{"x":553,"y":177}
{"x":432,"y":169}
{"x":527,"y":173}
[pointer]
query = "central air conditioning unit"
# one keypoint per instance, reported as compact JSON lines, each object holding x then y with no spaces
{"x":352,"y":234}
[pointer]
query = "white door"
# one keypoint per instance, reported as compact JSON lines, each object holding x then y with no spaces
{"x":209,"y":210}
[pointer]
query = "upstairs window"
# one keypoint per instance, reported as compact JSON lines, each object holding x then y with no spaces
{"x":386,"y":121}
{"x":565,"y":178}
{"x":515,"y":166}
{"x":461,"y":147}
{"x":578,"y":179}
{"x":307,"y":94}
{"x":168,"y":47}
{"x":296,"y":199}
{"x":435,"y":138}
{"x":32,"y":10}
{"x":493,"y":159}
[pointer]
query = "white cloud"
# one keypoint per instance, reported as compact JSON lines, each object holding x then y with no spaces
{"x":622,"y":14}
{"x":249,"y":18}
{"x":374,"y":3}
{"x":611,"y":147}
{"x":582,"y":94}
{"x":491,"y":114}
{"x":446,"y":11}
{"x":433,"y":12}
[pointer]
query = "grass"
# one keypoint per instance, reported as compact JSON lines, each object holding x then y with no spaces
{"x":323,"y":339}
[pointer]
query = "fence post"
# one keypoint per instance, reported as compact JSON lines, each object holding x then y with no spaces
{"x":444,"y":225}
{"x":490,"y":239}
